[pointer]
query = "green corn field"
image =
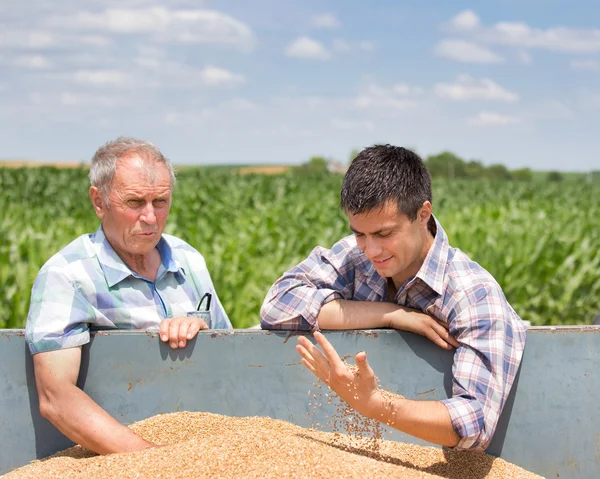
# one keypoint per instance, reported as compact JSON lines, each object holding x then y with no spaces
{"x":541,"y":241}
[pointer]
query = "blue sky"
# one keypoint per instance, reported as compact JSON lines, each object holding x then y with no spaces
{"x":275,"y":82}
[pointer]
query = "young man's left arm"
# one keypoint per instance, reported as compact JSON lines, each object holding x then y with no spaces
{"x":427,"y":420}
{"x":492,"y":340}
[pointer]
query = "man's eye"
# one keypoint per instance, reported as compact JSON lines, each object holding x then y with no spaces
{"x":384,"y":235}
{"x":134,"y":202}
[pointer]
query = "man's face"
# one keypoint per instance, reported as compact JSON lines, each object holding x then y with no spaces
{"x":395,"y":245}
{"x":140,"y":200}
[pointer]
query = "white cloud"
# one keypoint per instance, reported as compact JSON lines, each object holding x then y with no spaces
{"x":343,"y":46}
{"x":148,"y":62}
{"x":227,"y":112}
{"x":30,"y":39}
{"x":342,"y":124}
{"x":587,"y":100}
{"x":466,"y":20}
{"x":397,"y":97}
{"x":95,"y":40}
{"x":150,"y":51}
{"x":520,"y":34}
{"x":307,"y":48}
{"x":103,"y":78}
{"x":325,"y":20}
{"x":46,"y":39}
{"x":239,"y":104}
{"x":35,"y":97}
{"x":29,"y":62}
{"x":34,"y":62}
{"x":177,"y":75}
{"x":73,"y":99}
{"x":525,"y":58}
{"x":370,"y":102}
{"x":366,"y":45}
{"x":487,"y":118}
{"x":149,"y":56}
{"x":585,"y":65}
{"x":466,"y":52}
{"x":467,"y":88}
{"x":165,"y":25}
{"x":559,"y":39}
{"x":156,"y":72}
{"x":219,"y":77}
{"x":552,"y":110}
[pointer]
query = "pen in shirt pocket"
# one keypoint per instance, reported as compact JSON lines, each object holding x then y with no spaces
{"x":208,"y":298}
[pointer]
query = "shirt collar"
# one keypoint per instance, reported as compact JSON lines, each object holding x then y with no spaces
{"x":434,"y":267}
{"x":115,"y":270}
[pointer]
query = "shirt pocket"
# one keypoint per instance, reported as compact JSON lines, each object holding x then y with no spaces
{"x":204,"y":315}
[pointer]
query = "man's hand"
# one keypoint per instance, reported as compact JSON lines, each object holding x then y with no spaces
{"x":348,"y":314}
{"x":423,"y":324}
{"x":178,"y":331}
{"x":359,"y":389}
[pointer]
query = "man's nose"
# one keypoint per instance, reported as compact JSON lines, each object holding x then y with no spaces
{"x":148,"y":216}
{"x":372,"y":249}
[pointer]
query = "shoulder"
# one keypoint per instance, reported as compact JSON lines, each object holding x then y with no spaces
{"x":469,"y":283}
{"x":464,"y":274}
{"x":184,"y":252}
{"x":80,"y":249}
{"x":343,"y":255}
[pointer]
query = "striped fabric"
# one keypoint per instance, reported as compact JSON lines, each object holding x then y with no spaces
{"x":450,"y":287}
{"x":86,"y":285}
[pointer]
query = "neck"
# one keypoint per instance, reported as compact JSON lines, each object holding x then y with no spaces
{"x":146,"y":265}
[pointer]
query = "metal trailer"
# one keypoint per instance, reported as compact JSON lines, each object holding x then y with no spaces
{"x":550,"y":424}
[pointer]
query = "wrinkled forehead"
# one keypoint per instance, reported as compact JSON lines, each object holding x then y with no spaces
{"x":141,"y":169}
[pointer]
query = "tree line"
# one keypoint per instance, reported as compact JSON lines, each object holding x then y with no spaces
{"x":447,"y":165}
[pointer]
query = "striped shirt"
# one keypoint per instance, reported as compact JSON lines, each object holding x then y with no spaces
{"x":449,"y":287}
{"x":87,"y":286}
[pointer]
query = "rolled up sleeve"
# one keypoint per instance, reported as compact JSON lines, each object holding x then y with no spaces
{"x":295,"y":300}
{"x":492,"y":340}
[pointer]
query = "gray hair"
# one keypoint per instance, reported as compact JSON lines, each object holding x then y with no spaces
{"x":104,"y":162}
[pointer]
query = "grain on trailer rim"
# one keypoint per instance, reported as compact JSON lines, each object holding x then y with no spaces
{"x":210,"y":445}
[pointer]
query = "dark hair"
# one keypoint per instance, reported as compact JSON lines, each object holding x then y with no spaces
{"x":383,"y":173}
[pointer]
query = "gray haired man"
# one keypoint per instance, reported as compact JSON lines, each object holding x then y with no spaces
{"x":126,"y":275}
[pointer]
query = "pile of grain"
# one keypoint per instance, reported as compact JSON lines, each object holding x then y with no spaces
{"x":210,"y":445}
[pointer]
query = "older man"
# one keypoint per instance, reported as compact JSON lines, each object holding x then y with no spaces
{"x":126,"y":275}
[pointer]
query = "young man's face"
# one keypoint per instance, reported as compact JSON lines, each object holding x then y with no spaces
{"x":395,"y":245}
{"x":140,"y":200}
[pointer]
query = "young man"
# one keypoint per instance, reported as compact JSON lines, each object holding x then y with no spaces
{"x":126,"y":275}
{"x":398,"y":271}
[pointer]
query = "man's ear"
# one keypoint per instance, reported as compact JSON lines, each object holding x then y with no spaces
{"x":424,"y":213}
{"x":97,"y":202}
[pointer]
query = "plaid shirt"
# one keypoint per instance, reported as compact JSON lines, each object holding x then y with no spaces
{"x":449,"y":287}
{"x":86,"y":285}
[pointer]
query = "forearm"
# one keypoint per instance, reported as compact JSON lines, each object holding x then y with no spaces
{"x":348,"y":314}
{"x":83,"y":421}
{"x":427,"y":420}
